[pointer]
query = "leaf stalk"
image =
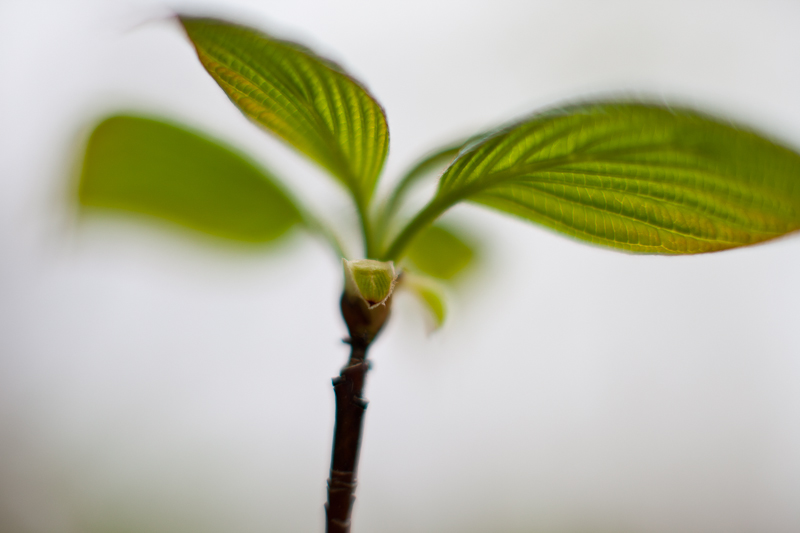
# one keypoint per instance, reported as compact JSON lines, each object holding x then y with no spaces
{"x":423,"y":219}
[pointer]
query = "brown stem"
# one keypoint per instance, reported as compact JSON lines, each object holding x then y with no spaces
{"x":363,"y":324}
{"x":350,"y":408}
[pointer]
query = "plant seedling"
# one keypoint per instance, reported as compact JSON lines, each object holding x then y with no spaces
{"x":634,"y":176}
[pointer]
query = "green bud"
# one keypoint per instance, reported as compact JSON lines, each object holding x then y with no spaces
{"x":372,"y":281}
{"x":367,"y":298}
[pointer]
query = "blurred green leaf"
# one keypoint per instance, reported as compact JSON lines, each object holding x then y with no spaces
{"x":633,"y":176}
{"x":148,"y":166}
{"x":306,"y":100}
{"x":428,"y":294}
{"x":439,"y":252}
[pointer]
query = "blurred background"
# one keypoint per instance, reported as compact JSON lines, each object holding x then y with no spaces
{"x":155,"y":381}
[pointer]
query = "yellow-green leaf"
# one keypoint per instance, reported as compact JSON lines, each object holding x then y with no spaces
{"x":633,"y":176}
{"x":156,"y":168}
{"x":306,"y":100}
{"x":439,"y":252}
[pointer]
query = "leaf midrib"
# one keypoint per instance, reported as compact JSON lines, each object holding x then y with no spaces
{"x":648,"y":224}
{"x":660,"y":201}
{"x":773,"y":202}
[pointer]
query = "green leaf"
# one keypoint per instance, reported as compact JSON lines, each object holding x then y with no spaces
{"x":306,"y":100}
{"x":633,"y":176}
{"x":149,"y":166}
{"x":429,"y":295}
{"x":439,"y":252}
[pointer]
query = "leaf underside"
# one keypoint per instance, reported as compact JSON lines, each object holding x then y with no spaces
{"x":306,"y":100}
{"x":148,"y":166}
{"x":633,"y":176}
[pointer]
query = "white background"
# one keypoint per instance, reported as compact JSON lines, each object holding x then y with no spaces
{"x":152,"y":380}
